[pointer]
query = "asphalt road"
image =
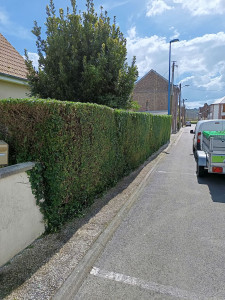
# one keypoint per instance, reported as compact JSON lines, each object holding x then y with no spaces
{"x":171,"y":245}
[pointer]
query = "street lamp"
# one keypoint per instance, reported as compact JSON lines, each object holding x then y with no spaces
{"x":172,"y":41}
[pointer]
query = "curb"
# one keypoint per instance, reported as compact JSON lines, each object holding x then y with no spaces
{"x":72,"y":284}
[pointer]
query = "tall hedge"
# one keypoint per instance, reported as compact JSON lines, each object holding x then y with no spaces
{"x":81,"y":149}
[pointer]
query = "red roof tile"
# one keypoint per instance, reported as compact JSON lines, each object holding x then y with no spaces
{"x":11,"y":62}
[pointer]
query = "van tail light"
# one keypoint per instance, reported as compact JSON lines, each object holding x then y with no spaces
{"x":199,"y":141}
{"x":217,"y":170}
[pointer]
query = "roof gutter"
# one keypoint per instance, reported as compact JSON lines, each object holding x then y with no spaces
{"x":13,"y":79}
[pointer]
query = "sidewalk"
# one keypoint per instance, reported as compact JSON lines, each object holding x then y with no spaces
{"x":73,"y":262}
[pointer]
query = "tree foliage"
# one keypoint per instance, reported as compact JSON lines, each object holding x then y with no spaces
{"x":83,"y":58}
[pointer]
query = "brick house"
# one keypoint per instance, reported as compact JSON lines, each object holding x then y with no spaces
{"x":13,"y":72}
{"x":151,"y":93}
{"x":204,"y":112}
{"x":217,"y":109}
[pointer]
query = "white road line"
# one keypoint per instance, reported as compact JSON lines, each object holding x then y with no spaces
{"x":152,"y":286}
{"x":178,"y":139}
{"x":165,"y":172}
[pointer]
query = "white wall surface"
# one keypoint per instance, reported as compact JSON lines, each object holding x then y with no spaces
{"x":8,"y":89}
{"x":20,"y":219}
{"x":216,"y":111}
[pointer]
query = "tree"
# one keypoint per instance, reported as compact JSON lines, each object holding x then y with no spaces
{"x":83,"y":58}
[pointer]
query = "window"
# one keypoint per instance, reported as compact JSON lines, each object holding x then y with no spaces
{"x":223,"y":107}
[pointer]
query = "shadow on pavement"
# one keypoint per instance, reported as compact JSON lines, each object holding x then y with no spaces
{"x":216,"y":184}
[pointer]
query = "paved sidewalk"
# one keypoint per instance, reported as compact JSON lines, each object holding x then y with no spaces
{"x":76,"y":257}
{"x":170,"y":245}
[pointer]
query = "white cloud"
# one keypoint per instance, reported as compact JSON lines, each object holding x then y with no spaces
{"x":34,"y":58}
{"x":157,"y":7}
{"x":150,"y":51}
{"x":203,"y":7}
{"x":4,"y":20}
{"x":113,"y":5}
{"x":195,"y":104}
{"x":175,"y":35}
{"x":202,"y":57}
{"x":195,"y":7}
{"x":132,"y":32}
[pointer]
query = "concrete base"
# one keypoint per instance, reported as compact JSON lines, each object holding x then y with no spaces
{"x":20,"y":219}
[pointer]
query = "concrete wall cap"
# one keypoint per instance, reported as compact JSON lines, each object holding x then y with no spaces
{"x":15,"y":169}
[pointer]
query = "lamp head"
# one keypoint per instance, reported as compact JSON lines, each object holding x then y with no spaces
{"x":175,"y":40}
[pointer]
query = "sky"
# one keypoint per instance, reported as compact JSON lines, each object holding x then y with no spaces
{"x":149,"y":26}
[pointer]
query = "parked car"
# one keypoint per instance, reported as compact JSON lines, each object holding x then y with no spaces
{"x":188,"y":123}
{"x":205,"y":125}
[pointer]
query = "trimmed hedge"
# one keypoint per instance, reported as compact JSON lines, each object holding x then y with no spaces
{"x":82,"y":148}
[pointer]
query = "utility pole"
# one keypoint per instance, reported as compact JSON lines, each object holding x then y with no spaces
{"x":182,"y":113}
{"x":184,"y":119}
{"x":171,"y":100}
{"x":175,"y":114}
{"x":172,"y":41}
{"x":180,"y":107}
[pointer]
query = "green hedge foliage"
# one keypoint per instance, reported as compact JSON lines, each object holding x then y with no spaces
{"x":81,"y":149}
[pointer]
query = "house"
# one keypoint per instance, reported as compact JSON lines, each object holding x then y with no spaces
{"x":151,"y":93}
{"x":13,"y":72}
{"x":204,"y":112}
{"x":217,"y":109}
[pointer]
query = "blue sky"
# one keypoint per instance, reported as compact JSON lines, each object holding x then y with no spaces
{"x":148,"y":25}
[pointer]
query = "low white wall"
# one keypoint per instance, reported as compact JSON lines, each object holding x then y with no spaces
{"x":20,"y":219}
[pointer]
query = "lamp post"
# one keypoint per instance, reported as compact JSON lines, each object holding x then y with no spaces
{"x":172,"y":41}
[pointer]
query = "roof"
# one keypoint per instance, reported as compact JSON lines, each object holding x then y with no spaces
{"x":157,"y":74}
{"x":152,"y":71}
{"x":11,"y":62}
{"x":220,"y":100}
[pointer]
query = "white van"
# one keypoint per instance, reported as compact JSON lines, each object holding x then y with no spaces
{"x":209,"y":125}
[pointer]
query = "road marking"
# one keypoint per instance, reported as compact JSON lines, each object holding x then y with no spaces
{"x":178,"y":138}
{"x":165,"y":172}
{"x":152,"y":286}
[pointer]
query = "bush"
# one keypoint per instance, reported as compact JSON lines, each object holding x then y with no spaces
{"x":82,"y":149}
{"x":82,"y":57}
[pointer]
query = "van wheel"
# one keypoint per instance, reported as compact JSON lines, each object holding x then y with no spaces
{"x":200,"y":171}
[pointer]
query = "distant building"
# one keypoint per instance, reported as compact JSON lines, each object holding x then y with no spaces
{"x":192,"y":114}
{"x":13,"y":72}
{"x":204,"y":112}
{"x":151,"y":93}
{"x":217,"y":109}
